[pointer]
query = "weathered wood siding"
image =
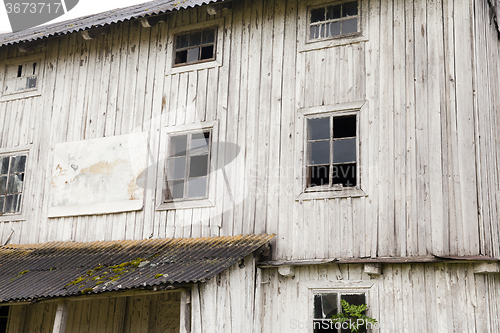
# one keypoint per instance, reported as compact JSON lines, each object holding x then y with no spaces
{"x":157,"y":313}
{"x":417,"y":144}
{"x":487,"y":98}
{"x":406,"y":298}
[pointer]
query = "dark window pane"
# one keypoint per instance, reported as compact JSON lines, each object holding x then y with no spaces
{"x":176,"y":168}
{"x":175,"y":189}
{"x":181,"y":57}
{"x":318,"y":311}
{"x":4,"y":165}
{"x":344,"y":127}
{"x":318,"y":15}
{"x":3,"y":184}
{"x":349,"y":26}
{"x":314,"y":32}
{"x":319,"y":175}
{"x":333,"y":12}
{"x":15,"y":183}
{"x":31,"y":82}
{"x":2,"y":202}
{"x":333,"y":29}
{"x":193,"y":54}
{"x":344,"y":174}
{"x":195,"y":39}
{"x":322,"y":33}
{"x":199,"y":143}
{"x":197,"y":187}
{"x":178,"y":145}
{"x":319,"y":152}
{"x":208,"y":36}
{"x":329,"y":305}
{"x":318,"y":128}
{"x":354,"y":299}
{"x":198,"y":166}
{"x":350,"y":8}
{"x":18,"y":164}
{"x":4,"y":311}
{"x":207,"y":52}
{"x":324,"y":326}
{"x":344,"y":150}
{"x":19,"y":70}
{"x":3,"y":325}
{"x":13,"y":203}
{"x":182,"y":41}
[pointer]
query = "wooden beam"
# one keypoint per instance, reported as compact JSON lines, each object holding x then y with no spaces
{"x":95,"y":32}
{"x":373,"y":269}
{"x":31,"y":46}
{"x":151,"y":21}
{"x":286,"y":271}
{"x":61,"y":317}
{"x":185,"y":311}
{"x":487,"y":268}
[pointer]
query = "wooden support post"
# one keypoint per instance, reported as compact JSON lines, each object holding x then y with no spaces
{"x":185,"y":311}
{"x":61,"y":317}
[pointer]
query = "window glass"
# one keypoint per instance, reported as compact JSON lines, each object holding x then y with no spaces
{"x":195,"y":47}
{"x":12,"y":169}
{"x":4,"y":318}
{"x":333,"y":20}
{"x":325,"y":305}
{"x":331,"y":151}
{"x":188,"y":166}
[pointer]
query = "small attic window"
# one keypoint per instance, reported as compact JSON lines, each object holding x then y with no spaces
{"x":334,"y":20}
{"x":20,"y":77}
{"x":195,"y":47}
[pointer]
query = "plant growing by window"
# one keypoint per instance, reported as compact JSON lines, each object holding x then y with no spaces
{"x":355,"y":316}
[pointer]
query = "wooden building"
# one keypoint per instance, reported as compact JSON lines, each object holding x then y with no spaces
{"x":363,"y":134}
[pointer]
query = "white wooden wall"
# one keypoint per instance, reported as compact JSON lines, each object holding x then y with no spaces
{"x":418,"y":135}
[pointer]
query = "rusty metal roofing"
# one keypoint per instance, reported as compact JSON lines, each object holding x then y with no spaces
{"x":100,"y":20}
{"x":60,"y":269}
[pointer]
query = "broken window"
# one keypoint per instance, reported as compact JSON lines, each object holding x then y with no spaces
{"x":12,"y":169}
{"x":195,"y":47}
{"x":4,"y":318}
{"x":188,"y":166}
{"x":338,"y":19}
{"x":331,"y":152}
{"x":326,"y":304}
{"x":20,"y":77}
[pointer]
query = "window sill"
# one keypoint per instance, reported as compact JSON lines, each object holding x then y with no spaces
{"x":201,"y":203}
{"x":343,"y":193}
{"x":20,"y":95}
{"x":12,"y":218}
{"x":321,"y":44}
{"x":194,"y":67}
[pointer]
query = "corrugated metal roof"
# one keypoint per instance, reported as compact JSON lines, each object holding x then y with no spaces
{"x":99,"y":20}
{"x":58,"y":269}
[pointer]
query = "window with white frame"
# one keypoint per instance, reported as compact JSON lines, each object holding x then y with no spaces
{"x":20,"y":77}
{"x":12,"y":171}
{"x":188,"y":165}
{"x":4,"y":318}
{"x":328,"y":303}
{"x":195,"y":47}
{"x":333,"y":20}
{"x":331,"y":152}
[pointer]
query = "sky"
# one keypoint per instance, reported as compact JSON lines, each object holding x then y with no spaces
{"x":83,"y":8}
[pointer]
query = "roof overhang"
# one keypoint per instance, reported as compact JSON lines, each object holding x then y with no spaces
{"x":67,"y":269}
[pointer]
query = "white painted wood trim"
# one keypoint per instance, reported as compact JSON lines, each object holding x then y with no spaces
{"x":185,"y":319}
{"x":203,"y":203}
{"x":217,"y":23}
{"x":340,"y":285}
{"x":302,"y":37}
{"x":61,"y":317}
{"x":341,"y":107}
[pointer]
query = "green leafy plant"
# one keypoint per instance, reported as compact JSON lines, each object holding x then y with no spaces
{"x":354,"y":316}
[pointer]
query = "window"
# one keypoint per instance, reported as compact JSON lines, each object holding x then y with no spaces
{"x":12,"y":169}
{"x":326,"y":304}
{"x":334,"y":20}
{"x":194,"y":47}
{"x":20,"y":77}
{"x":188,"y":165}
{"x":4,"y":318}
{"x":331,"y":152}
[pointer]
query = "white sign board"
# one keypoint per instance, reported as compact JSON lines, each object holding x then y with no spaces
{"x":99,"y":176}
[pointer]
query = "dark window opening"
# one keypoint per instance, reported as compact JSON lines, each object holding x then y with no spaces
{"x":195,"y":47}
{"x":332,"y":151}
{"x":12,"y":170}
{"x":327,"y":304}
{"x":19,"y":70}
{"x":334,"y":20}
{"x":4,"y":318}
{"x":34,"y":68}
